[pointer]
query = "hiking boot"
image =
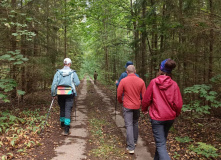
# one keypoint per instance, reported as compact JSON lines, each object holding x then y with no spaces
{"x":62,"y":124}
{"x":66,"y":130}
{"x":130,"y":151}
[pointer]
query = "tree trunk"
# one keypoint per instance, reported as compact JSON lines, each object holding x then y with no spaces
{"x":211,"y":42}
{"x":154,"y":44}
{"x":143,"y":43}
{"x":162,"y":36}
{"x":136,"y":35}
{"x":23,"y":78}
{"x":65,"y":31}
{"x":13,"y":48}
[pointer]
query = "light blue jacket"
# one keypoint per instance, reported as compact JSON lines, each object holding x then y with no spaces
{"x":65,"y":77}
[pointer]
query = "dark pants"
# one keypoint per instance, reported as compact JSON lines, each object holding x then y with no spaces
{"x":160,"y":133}
{"x":131,"y":117}
{"x":66,"y":103}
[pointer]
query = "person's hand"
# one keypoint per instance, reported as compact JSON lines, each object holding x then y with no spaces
{"x":146,"y":112}
{"x":116,"y":82}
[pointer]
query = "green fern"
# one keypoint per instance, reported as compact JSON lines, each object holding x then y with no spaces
{"x":183,"y":139}
{"x":204,"y":149}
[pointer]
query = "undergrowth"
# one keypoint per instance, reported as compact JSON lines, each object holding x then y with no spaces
{"x":19,"y":132}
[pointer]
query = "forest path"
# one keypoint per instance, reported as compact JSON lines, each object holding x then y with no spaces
{"x":74,"y":146}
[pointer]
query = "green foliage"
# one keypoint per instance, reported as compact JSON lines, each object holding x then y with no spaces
{"x":14,"y":56}
{"x":176,"y":155}
{"x":30,"y":118}
{"x":29,"y":35}
{"x":204,"y":149}
{"x":19,"y":130}
{"x":7,"y":120}
{"x":6,"y":85}
{"x":216,"y":79}
{"x":20,"y":92}
{"x":206,"y":99}
{"x":172,"y":129}
{"x":183,"y":139}
{"x":30,"y":143}
{"x":107,"y":48}
{"x":4,"y":3}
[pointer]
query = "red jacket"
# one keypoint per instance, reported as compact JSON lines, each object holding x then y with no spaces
{"x":132,"y":86}
{"x":164,"y":98}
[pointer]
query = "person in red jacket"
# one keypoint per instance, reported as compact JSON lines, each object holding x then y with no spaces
{"x":164,"y":100}
{"x":133,"y":88}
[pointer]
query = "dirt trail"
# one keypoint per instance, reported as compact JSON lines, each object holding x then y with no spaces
{"x":74,"y":146}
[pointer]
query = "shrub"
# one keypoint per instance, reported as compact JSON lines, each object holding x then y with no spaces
{"x":183,"y":139}
{"x":204,"y":149}
{"x":205,"y":101}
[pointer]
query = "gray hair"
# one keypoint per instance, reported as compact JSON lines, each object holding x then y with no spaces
{"x":131,"y":69}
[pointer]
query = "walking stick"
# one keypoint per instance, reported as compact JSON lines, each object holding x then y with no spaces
{"x":48,"y":114}
{"x":116,"y":103}
{"x":75,"y":108}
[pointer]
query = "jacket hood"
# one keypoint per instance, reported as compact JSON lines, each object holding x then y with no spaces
{"x":164,"y":82}
{"x":65,"y":72}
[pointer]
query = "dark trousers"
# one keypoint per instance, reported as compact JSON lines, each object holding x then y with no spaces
{"x":160,"y":132}
{"x":66,"y":103}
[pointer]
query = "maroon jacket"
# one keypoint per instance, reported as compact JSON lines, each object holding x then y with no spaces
{"x":164,"y":98}
{"x":132,"y":87}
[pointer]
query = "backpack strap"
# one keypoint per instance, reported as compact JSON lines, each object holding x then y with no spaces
{"x":72,"y":83}
{"x":58,"y":81}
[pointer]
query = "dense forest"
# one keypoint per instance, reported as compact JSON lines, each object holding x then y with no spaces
{"x":102,"y":35}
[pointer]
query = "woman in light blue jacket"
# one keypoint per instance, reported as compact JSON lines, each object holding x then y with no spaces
{"x":65,"y":78}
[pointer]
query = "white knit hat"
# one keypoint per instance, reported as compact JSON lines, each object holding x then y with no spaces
{"x":67,"y":61}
